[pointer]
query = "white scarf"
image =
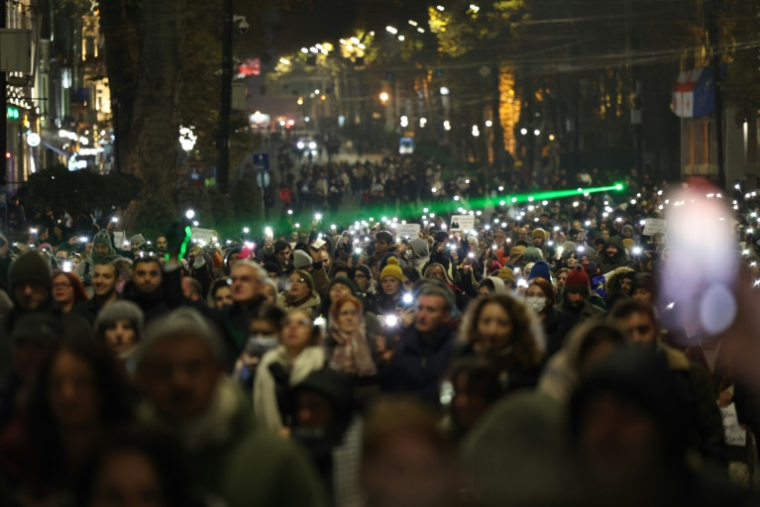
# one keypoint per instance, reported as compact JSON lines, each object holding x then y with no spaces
{"x":264,"y":387}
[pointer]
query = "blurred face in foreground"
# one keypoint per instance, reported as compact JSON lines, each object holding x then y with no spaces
{"x":179,"y":375}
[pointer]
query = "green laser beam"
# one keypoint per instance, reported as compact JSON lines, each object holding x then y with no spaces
{"x":412,"y":213}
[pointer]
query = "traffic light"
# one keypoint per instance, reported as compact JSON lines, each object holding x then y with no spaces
{"x":12,"y":113}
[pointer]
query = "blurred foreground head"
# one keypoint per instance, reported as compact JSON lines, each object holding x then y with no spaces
{"x":406,"y":460}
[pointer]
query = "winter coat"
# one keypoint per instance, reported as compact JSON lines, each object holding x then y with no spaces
{"x":556,"y":326}
{"x":620,"y":260}
{"x":230,"y":457}
{"x":574,"y":317}
{"x":418,"y":364}
{"x":270,"y":390}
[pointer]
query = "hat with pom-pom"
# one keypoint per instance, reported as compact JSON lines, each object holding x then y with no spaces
{"x":392,"y":269}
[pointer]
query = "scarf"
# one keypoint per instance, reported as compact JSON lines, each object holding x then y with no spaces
{"x":264,"y":387}
{"x":352,"y":355}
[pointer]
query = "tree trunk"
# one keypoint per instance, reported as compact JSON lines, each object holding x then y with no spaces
{"x":154,"y":119}
{"x":120,"y":19}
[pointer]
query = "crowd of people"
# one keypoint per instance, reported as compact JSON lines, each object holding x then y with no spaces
{"x":530,"y":360}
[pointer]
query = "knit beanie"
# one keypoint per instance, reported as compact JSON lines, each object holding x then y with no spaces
{"x":31,"y":267}
{"x":308,"y":279}
{"x":280,"y":245}
{"x":365,"y":271}
{"x":120,"y":310}
{"x":577,"y":282}
{"x":342,"y":280}
{"x":507,"y":275}
{"x":301,"y":259}
{"x":569,"y":246}
{"x":137,"y":240}
{"x":102,"y":238}
{"x":532,"y":254}
{"x":384,"y":236}
{"x":540,"y":270}
{"x":516,"y":253}
{"x":540,"y":233}
{"x":392,"y":269}
{"x":442,"y":237}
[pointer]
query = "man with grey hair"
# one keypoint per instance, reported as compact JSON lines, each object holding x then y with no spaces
{"x":425,"y":349}
{"x":180,"y":371}
{"x":248,"y":279}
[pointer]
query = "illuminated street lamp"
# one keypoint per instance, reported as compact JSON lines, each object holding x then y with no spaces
{"x":384,"y":97}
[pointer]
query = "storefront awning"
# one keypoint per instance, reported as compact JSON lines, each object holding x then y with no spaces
{"x":694,"y":94}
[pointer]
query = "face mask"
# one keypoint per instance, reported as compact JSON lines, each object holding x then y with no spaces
{"x":259,"y":345}
{"x":537,"y":303}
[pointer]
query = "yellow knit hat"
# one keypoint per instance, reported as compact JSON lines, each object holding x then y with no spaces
{"x":507,"y":274}
{"x":392,"y":269}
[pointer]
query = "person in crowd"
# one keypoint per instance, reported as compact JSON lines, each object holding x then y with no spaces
{"x":102,"y":250}
{"x":327,"y":425}
{"x":270,"y":292}
{"x":220,"y":293}
{"x":347,"y":347}
{"x":576,"y":305}
{"x":30,"y":281}
{"x":282,"y":256}
{"x":587,"y":344}
{"x":104,"y":279}
{"x":180,"y":366}
{"x":155,"y":290}
{"x":135,"y":464}
{"x":78,"y":395}
{"x":411,"y":275}
{"x":425,"y":349}
{"x":264,"y":331}
{"x":248,"y":280}
{"x":705,"y":430}
{"x":120,"y":326}
{"x":191,"y":288}
{"x":162,"y":245}
{"x":301,"y":294}
{"x":406,"y":458}
{"x":34,"y":336}
{"x":540,"y":297}
{"x":67,"y":291}
{"x":614,"y":256}
{"x":505,"y":330}
{"x":474,"y":387}
{"x":299,"y":353}
{"x":362,"y":277}
{"x":619,"y":286}
{"x":491,"y":285}
{"x":561,"y":278}
{"x":626,"y":426}
{"x":391,"y":287}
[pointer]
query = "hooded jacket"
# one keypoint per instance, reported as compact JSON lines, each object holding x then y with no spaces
{"x":420,"y":254}
{"x":231,"y":457}
{"x":620,"y":260}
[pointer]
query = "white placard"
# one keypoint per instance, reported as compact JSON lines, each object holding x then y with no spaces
{"x":204,"y":236}
{"x":119,"y":239}
{"x":408,"y":231}
{"x":654,"y":225}
{"x":735,"y":434}
{"x":462,"y":223}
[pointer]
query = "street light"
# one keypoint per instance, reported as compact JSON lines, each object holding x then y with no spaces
{"x":444,"y":90}
{"x":392,"y":30}
{"x":384,"y":97}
